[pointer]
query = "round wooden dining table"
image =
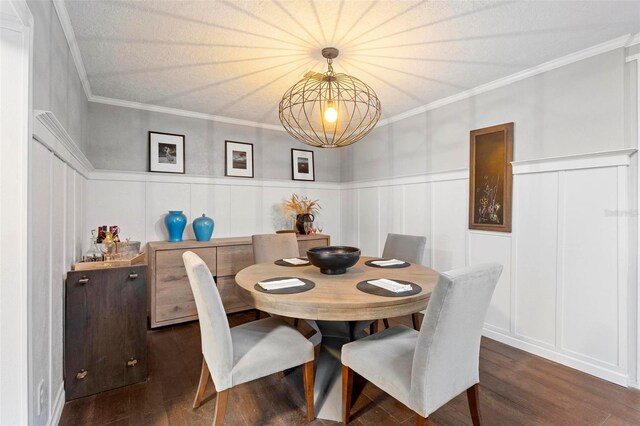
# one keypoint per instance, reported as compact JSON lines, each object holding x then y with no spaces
{"x":337,"y":310}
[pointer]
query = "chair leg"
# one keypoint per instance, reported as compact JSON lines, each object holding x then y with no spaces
{"x":307,"y":378}
{"x":202,"y":385}
{"x":347,"y":389}
{"x":221,"y":407}
{"x":279,"y":375}
{"x":416,"y":321}
{"x":386,"y":323}
{"x":373,"y":327}
{"x":296,"y":321}
{"x":473,"y":396}
{"x":257,"y":314}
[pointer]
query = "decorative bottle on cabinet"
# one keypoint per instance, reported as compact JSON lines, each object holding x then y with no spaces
{"x":175,"y":222}
{"x":203,"y":228}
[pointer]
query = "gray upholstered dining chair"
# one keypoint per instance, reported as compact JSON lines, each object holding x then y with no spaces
{"x":237,"y":355}
{"x":409,"y":248}
{"x":426,"y":369}
{"x":271,"y":247}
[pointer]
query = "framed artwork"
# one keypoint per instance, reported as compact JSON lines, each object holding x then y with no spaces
{"x":302,"y":167}
{"x":238,"y":159}
{"x":490,"y":178}
{"x":166,"y":152}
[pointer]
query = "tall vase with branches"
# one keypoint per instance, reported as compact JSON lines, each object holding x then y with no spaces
{"x":305,"y":211}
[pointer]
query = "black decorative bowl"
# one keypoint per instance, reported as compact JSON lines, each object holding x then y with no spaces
{"x":333,"y":260}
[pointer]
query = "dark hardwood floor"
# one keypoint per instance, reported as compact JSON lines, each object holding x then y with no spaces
{"x":516,"y":388}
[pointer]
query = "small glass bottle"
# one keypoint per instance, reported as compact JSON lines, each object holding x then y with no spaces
{"x":94,"y":254}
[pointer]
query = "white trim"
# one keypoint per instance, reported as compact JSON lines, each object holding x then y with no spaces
{"x":447,"y":175}
{"x":115,"y":175}
{"x":610,"y":375}
{"x":70,"y":35}
{"x":48,"y":131}
{"x":589,"y":52}
{"x":591,"y":160}
{"x":15,"y":132}
{"x":57,"y":407}
{"x":184,"y":113}
{"x":633,"y":40}
{"x":632,"y":58}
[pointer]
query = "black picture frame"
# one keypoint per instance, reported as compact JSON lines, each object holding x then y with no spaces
{"x":246,"y":164}
{"x":157,"y":161}
{"x":297,"y":173}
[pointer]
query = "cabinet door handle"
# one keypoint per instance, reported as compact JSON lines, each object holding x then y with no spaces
{"x":81,"y":375}
{"x":132,"y":362}
{"x":133,"y":275}
{"x":83,"y":280}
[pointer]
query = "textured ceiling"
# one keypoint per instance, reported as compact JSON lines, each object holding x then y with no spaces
{"x":237,"y":58}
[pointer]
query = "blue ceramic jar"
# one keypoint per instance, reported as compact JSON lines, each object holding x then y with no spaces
{"x":175,"y":222}
{"x":203,"y":228}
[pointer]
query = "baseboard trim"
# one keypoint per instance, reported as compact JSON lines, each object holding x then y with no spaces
{"x":601,"y":372}
{"x":58,"y":406}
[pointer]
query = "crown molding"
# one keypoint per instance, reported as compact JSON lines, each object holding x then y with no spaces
{"x":183,"y":113}
{"x":623,"y":41}
{"x":571,"y":58}
{"x":63,"y":17}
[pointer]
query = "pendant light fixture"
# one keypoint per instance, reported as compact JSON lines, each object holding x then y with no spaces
{"x":329,"y":110}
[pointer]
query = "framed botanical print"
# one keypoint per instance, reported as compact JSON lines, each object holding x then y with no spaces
{"x":166,"y":152}
{"x":302,"y":167}
{"x":238,"y":159}
{"x":490,"y":178}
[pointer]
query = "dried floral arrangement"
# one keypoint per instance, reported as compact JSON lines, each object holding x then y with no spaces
{"x":299,"y":204}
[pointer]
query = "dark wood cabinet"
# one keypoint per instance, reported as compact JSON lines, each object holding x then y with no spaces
{"x":105,"y":329}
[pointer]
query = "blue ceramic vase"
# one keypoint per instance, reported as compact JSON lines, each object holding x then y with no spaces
{"x":203,"y":228}
{"x":175,"y":222}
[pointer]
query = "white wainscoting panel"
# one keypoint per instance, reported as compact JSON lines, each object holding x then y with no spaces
{"x":368,"y":220}
{"x":563,"y":291}
{"x":239,"y":207}
{"x":590,"y":284}
{"x":57,"y":171}
{"x":449,"y":212}
{"x":536,"y":226}
{"x":493,"y":247}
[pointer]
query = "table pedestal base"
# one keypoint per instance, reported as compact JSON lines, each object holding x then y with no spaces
{"x":328,"y":378}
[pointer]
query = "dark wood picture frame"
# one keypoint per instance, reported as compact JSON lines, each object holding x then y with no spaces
{"x":491,"y":178}
{"x":228,"y":171}
{"x":312,"y":165}
{"x":158,"y":167}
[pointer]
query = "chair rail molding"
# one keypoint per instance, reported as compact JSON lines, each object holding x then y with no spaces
{"x":48,"y":131}
{"x":620,"y":157}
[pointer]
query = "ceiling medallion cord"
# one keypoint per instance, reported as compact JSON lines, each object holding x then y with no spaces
{"x":329,"y":110}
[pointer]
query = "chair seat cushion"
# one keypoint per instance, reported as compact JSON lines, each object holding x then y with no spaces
{"x":264,"y":347}
{"x":385,"y":359}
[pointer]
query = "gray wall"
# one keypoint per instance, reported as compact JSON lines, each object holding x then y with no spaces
{"x":578,"y":108}
{"x":119,"y":141}
{"x":56,"y":84}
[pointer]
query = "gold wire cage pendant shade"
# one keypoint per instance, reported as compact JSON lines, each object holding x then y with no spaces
{"x":329,"y":110}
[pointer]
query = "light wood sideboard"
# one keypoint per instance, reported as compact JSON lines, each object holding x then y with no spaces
{"x":170,"y":297}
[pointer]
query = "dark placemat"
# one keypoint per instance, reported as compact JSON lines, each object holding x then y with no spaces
{"x":373,"y":265}
{"x":281,"y":262}
{"x":365,"y":287}
{"x":308,"y":285}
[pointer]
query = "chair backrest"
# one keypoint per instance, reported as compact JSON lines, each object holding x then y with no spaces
{"x":409,"y":248}
{"x":271,"y":247}
{"x":447,"y":354}
{"x":215,"y":334}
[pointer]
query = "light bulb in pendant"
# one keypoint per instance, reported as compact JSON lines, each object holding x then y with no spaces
{"x":330,"y":113}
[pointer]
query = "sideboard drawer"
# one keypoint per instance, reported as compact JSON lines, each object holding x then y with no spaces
{"x":233,"y":259}
{"x":229,"y":293}
{"x":305,"y":245}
